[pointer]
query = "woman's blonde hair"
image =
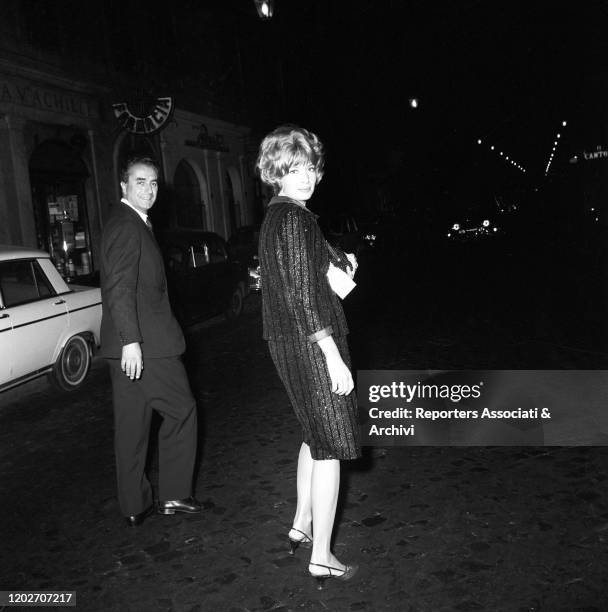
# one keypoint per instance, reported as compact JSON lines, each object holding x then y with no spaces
{"x":285,"y":147}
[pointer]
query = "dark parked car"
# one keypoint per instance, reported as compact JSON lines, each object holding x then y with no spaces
{"x":244,"y":242}
{"x":244,"y":246}
{"x":204,"y":278}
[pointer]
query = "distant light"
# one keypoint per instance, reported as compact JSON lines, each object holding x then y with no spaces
{"x":564,"y":123}
{"x":492,"y":147}
{"x":264,"y":8}
{"x":486,"y":223}
{"x":414,"y":102}
{"x":559,"y":135}
{"x":501,"y":152}
{"x":479,"y":141}
{"x":456,"y":227}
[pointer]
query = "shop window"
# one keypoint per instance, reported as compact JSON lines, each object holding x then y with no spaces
{"x":58,"y":177}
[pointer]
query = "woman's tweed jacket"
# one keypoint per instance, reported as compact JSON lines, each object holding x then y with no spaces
{"x":297,"y":299}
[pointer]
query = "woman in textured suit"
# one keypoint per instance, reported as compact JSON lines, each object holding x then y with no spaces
{"x":306,"y":331}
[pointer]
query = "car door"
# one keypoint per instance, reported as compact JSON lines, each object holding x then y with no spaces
{"x":6,"y":355}
{"x":223,"y":274}
{"x":201,"y":275}
{"x":37,"y":315}
{"x":179,"y":281}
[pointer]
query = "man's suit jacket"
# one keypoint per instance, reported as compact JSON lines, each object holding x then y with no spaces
{"x":134,"y":290}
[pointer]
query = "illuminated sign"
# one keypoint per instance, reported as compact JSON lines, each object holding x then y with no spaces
{"x":144,"y":124}
{"x":597,"y":154}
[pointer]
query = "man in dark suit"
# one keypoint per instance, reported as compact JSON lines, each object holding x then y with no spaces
{"x":143,"y":344}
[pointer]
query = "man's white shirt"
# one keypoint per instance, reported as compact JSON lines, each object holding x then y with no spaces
{"x":143,"y":216}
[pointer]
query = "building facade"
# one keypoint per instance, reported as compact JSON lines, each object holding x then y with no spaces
{"x":61,"y":149}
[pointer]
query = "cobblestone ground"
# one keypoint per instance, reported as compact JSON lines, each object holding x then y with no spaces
{"x":465,"y":529}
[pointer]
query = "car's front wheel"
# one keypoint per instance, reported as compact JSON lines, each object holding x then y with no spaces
{"x":72,"y":365}
{"x":235,"y":305}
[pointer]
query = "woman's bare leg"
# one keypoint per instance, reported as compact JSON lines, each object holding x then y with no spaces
{"x":303,"y":518}
{"x":325,"y":486}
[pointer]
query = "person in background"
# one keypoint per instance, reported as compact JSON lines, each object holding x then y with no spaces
{"x":143,"y":344}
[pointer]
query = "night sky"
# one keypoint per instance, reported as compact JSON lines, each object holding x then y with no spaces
{"x":506,"y":72}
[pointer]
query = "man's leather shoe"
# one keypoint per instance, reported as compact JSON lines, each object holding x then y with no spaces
{"x":134,"y":520}
{"x":188,"y":505}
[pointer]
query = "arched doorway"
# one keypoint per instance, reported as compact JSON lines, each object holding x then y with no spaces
{"x":58,"y":176}
{"x":189,"y":206}
{"x":232,"y":199}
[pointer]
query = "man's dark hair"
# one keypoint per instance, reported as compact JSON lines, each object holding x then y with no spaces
{"x":133,"y":161}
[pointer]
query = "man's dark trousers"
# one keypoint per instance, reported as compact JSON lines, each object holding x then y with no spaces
{"x":163,"y":387}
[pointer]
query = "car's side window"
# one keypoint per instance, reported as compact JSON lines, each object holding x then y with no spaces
{"x":175,"y":258}
{"x":217,"y":252}
{"x":44,"y":287}
{"x":198,"y":255}
{"x":21,"y":282}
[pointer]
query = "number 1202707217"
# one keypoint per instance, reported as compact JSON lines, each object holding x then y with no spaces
{"x":38,"y":598}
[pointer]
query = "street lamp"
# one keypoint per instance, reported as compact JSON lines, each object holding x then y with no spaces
{"x":265,"y":8}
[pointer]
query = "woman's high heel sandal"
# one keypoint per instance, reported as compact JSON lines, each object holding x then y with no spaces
{"x":347,"y":573}
{"x":304,"y":542}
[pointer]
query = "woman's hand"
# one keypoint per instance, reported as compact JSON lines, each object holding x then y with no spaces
{"x":353,"y":262}
{"x":341,"y":378}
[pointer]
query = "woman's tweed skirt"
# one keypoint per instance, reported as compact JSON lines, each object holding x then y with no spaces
{"x":329,"y":421}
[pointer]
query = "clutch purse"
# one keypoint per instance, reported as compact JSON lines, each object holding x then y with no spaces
{"x":341,"y":283}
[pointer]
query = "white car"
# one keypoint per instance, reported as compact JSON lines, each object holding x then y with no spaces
{"x":46,"y":326}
